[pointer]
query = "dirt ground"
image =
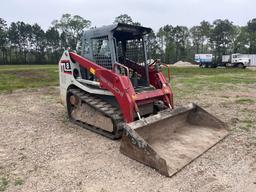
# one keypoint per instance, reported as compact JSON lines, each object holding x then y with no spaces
{"x":184,"y":64}
{"x":40,"y":150}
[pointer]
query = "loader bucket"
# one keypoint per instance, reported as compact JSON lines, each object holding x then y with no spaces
{"x":170,"y":140}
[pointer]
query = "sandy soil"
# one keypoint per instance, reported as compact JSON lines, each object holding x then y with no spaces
{"x":45,"y":152}
{"x":184,"y":64}
{"x":252,"y":68}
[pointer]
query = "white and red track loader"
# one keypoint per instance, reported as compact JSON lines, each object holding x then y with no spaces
{"x":113,"y":91}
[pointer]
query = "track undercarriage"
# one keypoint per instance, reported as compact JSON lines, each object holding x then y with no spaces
{"x":94,"y":114}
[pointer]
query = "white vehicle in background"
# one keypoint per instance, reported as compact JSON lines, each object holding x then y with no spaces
{"x":252,"y":58}
{"x":236,"y":60}
{"x":205,"y":60}
{"x":233,"y":60}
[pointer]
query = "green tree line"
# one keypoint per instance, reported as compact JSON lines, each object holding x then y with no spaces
{"x":23,"y":43}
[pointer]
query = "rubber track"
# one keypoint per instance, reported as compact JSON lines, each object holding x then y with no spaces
{"x":105,"y":108}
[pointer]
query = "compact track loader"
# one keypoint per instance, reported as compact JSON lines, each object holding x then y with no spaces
{"x":113,"y":90}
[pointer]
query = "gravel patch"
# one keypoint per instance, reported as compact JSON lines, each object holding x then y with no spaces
{"x":42,"y":150}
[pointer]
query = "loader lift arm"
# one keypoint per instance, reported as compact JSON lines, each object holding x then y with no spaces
{"x":121,"y":87}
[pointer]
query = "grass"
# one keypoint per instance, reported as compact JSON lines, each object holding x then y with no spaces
{"x":193,"y":80}
{"x":18,"y":181}
{"x":3,"y":183}
{"x":14,"y":77}
{"x":222,"y":75}
{"x":27,"y":67}
{"x":184,"y":80}
{"x":245,"y":101}
{"x":247,"y":124}
{"x":247,"y":127}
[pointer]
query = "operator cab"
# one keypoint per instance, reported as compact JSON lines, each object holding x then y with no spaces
{"x":119,"y":47}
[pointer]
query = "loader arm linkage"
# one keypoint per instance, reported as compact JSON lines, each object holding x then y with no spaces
{"x":121,"y":87}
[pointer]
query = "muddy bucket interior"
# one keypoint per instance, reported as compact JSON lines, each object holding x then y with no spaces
{"x":170,"y":140}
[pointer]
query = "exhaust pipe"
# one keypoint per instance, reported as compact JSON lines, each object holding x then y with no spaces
{"x":170,"y":140}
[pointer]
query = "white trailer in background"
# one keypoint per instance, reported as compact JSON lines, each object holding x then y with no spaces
{"x":236,"y":60}
{"x":252,"y":58}
{"x":205,"y":60}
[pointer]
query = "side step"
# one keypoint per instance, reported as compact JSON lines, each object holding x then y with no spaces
{"x":170,"y":140}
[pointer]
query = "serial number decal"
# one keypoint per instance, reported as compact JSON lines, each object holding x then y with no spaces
{"x":66,"y":67}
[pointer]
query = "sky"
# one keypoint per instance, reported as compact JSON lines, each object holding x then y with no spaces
{"x":154,"y":14}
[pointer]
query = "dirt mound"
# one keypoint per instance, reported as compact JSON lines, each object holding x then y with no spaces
{"x":183,"y":64}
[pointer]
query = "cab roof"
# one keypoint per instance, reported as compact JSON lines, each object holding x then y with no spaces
{"x":120,"y":31}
